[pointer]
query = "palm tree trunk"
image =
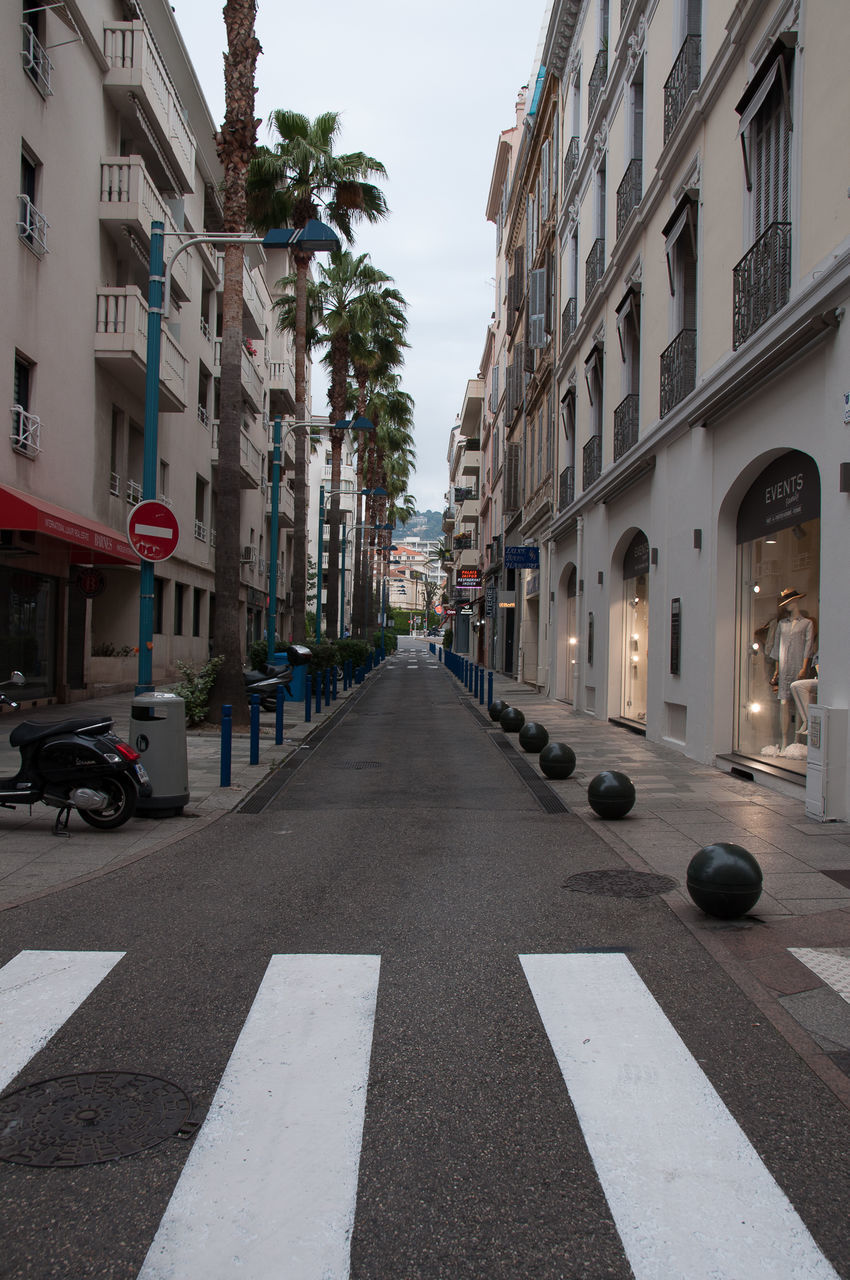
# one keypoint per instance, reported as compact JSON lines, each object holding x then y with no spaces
{"x":302,"y":433}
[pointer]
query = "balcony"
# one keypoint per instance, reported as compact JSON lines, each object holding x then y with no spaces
{"x":469,"y":508}
{"x":629,"y":193}
{"x":32,"y":226}
{"x":251,"y":462}
{"x":678,"y":369}
{"x":626,"y":416}
{"x":128,"y":198}
{"x":570,"y":161}
{"x":596,"y":83}
{"x":121,"y":343}
{"x":566,"y":488}
{"x":252,"y":383}
{"x":594,"y":266}
{"x":285,"y":506}
{"x":140,"y":89}
{"x":591,"y":461}
{"x":448,"y":519}
{"x":682,"y":81}
{"x":37,"y":64}
{"x":761,"y":282}
{"x":281,"y":377}
{"x":26,"y":432}
{"x":470,"y":464}
{"x":569,"y":320}
{"x":253,"y":306}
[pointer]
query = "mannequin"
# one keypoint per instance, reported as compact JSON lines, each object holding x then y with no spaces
{"x":792,"y":647}
{"x":805,"y":692}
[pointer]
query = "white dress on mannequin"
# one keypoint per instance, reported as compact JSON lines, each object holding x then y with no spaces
{"x":792,"y":647}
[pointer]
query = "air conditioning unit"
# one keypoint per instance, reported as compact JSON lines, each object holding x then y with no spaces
{"x":249,"y":555}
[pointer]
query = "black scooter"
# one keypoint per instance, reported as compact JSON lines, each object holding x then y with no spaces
{"x":266,"y":682}
{"x":74,"y":764}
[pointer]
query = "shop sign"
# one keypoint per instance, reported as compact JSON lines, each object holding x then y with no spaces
{"x":469,"y":580}
{"x":90,"y":583}
{"x":636,"y":559}
{"x":532,"y":584}
{"x":522,"y":557}
{"x":786,"y":493}
{"x":490,"y":601}
{"x":466,"y":611}
{"x":507,"y":600}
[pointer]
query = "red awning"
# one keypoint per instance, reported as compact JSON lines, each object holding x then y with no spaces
{"x":92,"y":543}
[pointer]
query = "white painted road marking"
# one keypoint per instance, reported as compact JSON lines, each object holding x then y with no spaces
{"x":39,"y":990}
{"x":689,"y":1195}
{"x":832,"y":964}
{"x":270,"y":1186}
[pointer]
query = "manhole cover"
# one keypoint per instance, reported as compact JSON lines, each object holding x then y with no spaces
{"x":85,"y":1119}
{"x":359,"y":764}
{"x":620,"y":884}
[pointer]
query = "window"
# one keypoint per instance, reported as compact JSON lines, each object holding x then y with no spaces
{"x":32,"y":226}
{"x":678,"y":361}
{"x":164,"y":482}
{"x":594,"y":372}
{"x":630,"y":189}
{"x":684,"y":78}
{"x":201,"y":488}
{"x":628,"y":335}
{"x":36,"y":63}
{"x":26,"y":427}
{"x":158,"y":605}
{"x":179,"y":595}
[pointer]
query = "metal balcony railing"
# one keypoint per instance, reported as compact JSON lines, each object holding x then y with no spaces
{"x":596,"y":83}
{"x":37,"y":65}
{"x":566,"y":488}
{"x":570,"y":161}
{"x":761,"y":281}
{"x":682,"y":81}
{"x":115,"y":484}
{"x":678,"y":369}
{"x":591,"y":461}
{"x":26,"y":432}
{"x":32,"y":226}
{"x":629,"y":192}
{"x":626,"y":417}
{"x":569,"y":319}
{"x":200,"y":531}
{"x":595,"y":266}
{"x":134,"y":492}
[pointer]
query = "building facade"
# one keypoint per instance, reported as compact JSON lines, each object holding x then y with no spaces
{"x":106,"y":131}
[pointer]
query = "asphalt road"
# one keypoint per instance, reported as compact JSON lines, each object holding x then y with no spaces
{"x":514,"y":1078}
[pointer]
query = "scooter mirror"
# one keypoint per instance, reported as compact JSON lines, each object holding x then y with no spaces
{"x":18,"y":678}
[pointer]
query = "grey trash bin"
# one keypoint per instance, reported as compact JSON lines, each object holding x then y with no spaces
{"x":158,"y":732}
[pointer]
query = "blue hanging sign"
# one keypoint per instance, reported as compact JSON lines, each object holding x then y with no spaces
{"x":522,"y":557}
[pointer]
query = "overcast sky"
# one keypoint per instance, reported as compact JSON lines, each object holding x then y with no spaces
{"x":425,"y":86}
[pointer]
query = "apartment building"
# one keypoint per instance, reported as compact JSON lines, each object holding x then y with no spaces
{"x":319,"y":481}
{"x":690,"y":529}
{"x":106,"y":130}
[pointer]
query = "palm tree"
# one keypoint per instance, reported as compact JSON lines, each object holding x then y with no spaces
{"x":235,"y":144}
{"x":286,"y":185}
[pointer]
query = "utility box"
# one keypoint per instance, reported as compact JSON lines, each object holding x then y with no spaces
{"x":826,"y":765}
{"x":158,"y":733}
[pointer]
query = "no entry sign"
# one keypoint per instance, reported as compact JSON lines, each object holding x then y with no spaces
{"x":153,"y":530}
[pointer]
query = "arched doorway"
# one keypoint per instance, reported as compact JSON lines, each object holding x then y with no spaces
{"x":777,"y":608}
{"x":635,"y":642}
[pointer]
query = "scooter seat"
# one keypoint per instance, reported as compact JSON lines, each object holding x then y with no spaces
{"x":31,"y":730}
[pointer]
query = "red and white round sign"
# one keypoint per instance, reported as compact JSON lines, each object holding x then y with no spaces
{"x":153,"y":530}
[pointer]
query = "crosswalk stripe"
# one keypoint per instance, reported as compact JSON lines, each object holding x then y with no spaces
{"x":270,"y":1185}
{"x":39,"y":990}
{"x":688,"y":1193}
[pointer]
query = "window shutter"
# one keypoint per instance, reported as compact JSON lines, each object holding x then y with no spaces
{"x":511,"y":498}
{"x":545,"y":161}
{"x":537,"y":309}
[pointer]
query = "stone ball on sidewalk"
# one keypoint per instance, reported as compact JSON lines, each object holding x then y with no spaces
{"x":724,"y":880}
{"x":496,"y":708}
{"x":511,"y":720}
{"x":533,"y":737}
{"x":611,"y":794}
{"x":557,"y":760}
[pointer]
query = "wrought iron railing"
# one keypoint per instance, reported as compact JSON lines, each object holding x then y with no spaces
{"x":32,"y":226}
{"x":591,"y":461}
{"x":626,"y":417}
{"x":566,"y":488}
{"x":200,"y":531}
{"x":134,"y":492}
{"x":596,"y":83}
{"x":570,"y":161}
{"x":629,"y":192}
{"x":595,"y":266}
{"x":681,"y":82}
{"x":678,"y":369}
{"x":36,"y":62}
{"x":569,"y":319}
{"x":26,"y":431}
{"x":761,"y":281}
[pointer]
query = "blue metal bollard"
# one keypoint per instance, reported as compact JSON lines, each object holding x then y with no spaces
{"x":278,"y":716}
{"x":481,"y":689}
{"x":254,"y":757}
{"x":308,"y":697}
{"x":489,"y":688}
{"x":226,"y":744}
{"x":327,"y":684}
{"x":440,"y":653}
{"x":334,"y":684}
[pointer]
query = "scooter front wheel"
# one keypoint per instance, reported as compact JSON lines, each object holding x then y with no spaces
{"x":119,"y":808}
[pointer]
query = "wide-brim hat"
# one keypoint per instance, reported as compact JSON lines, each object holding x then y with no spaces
{"x":789,"y":594}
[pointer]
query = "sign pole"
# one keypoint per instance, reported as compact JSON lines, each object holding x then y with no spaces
{"x":146,"y":586}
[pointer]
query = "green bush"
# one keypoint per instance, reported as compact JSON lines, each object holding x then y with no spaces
{"x":258,"y":655}
{"x":353,"y":650}
{"x":195,"y":688}
{"x":448,"y":637}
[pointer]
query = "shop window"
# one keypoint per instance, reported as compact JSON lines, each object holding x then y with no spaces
{"x":778,"y":591}
{"x":635,"y":630}
{"x":179,"y":596}
{"x":197,"y":600}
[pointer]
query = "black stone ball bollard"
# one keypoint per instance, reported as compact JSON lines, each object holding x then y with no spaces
{"x":557,"y":760}
{"x":533,"y":737}
{"x":511,"y":720}
{"x":496,"y":708}
{"x":724,"y":880}
{"x":611,"y":794}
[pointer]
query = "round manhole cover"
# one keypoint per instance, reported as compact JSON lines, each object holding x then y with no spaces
{"x":89,"y":1118}
{"x":620,"y":884}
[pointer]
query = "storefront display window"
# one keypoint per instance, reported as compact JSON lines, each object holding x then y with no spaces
{"x":571,"y":638}
{"x":27,"y":630}
{"x":778,"y":609}
{"x":635,"y":629}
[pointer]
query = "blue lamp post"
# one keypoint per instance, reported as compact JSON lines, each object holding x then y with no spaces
{"x":378,"y":492}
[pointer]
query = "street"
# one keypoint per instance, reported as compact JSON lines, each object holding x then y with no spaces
{"x":412,"y":1050}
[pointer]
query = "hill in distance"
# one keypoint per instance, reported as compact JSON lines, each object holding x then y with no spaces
{"x":427,"y":525}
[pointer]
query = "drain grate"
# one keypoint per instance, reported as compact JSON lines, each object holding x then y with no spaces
{"x":538,"y":786}
{"x":359,"y":764}
{"x":620,"y":884}
{"x":86,"y":1119}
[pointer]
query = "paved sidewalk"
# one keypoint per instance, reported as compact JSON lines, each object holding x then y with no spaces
{"x":34,"y":861}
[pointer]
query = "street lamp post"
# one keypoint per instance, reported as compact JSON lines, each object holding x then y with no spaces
{"x":379,"y":492}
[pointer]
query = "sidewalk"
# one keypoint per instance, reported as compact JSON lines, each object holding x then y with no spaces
{"x":33,"y":861}
{"x":682,"y":806}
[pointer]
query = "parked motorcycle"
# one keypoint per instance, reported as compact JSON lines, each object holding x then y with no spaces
{"x":74,"y":764}
{"x":266,"y":683}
